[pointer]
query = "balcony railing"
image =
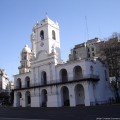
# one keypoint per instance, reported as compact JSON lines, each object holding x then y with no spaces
{"x":88,"y":77}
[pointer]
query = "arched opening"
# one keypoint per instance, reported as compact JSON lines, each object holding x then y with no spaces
{"x":19,"y":84}
{"x":77,"y":72}
{"x":27,"y":82}
{"x":91,"y":69}
{"x":53,"y":35}
{"x":19,"y":99}
{"x":65,"y":96}
{"x":44,"y":98}
{"x":28,"y":99}
{"x":43,"y":78}
{"x":24,"y":55}
{"x":63,"y":75}
{"x":79,"y":95}
{"x":42,"y":34}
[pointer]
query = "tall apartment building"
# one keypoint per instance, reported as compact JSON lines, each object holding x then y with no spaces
{"x":89,"y":49}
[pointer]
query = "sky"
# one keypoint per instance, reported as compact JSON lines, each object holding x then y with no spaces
{"x":79,"y":20}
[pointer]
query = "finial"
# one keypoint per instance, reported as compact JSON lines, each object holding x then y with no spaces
{"x":46,"y":16}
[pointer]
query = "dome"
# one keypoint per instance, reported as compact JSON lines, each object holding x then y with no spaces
{"x":26,"y":49}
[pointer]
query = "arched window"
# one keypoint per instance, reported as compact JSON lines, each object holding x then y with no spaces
{"x":27,"y":82}
{"x":19,"y":84}
{"x":91,"y":69}
{"x":19,"y":96}
{"x":105,"y":74}
{"x":44,"y":98}
{"x":79,"y":95}
{"x":53,"y":35}
{"x":24,"y":55}
{"x":65,"y":96}
{"x":28,"y":98}
{"x":77,"y":72}
{"x":42,"y":34}
{"x":63,"y":75}
{"x":43,"y":78}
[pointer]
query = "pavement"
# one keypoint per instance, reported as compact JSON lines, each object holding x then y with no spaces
{"x":103,"y":112}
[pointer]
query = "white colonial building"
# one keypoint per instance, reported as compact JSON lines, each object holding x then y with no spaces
{"x":44,"y":80}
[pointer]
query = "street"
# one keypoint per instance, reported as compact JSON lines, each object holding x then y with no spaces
{"x":106,"y":112}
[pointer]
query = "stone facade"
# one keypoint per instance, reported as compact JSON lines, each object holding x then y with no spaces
{"x":89,"y":49}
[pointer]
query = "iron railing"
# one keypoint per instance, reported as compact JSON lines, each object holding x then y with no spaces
{"x":88,"y":77}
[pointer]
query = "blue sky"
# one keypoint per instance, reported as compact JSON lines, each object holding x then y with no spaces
{"x":17,"y":18}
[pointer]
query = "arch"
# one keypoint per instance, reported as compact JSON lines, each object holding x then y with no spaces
{"x":19,"y":98}
{"x":65,"y":96}
{"x":42,"y":34}
{"x":79,"y":95}
{"x":27,"y":81}
{"x":77,"y":73}
{"x":43,"y":78}
{"x":91,"y":70}
{"x":63,"y":75}
{"x":44,"y":98}
{"x":19,"y":83}
{"x":53,"y":35}
{"x":24,"y":55}
{"x":28,"y":99}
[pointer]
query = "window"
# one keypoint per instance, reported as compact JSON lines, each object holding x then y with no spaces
{"x":91,"y":69}
{"x":77,"y":73}
{"x":53,"y":35}
{"x":105,"y":72}
{"x":24,"y":56}
{"x":75,"y":52}
{"x":63,"y":75}
{"x":92,"y":49}
{"x":42,"y":35}
{"x":88,"y":55}
{"x":93,"y":54}
{"x":88,"y":50}
{"x":27,"y":82}
{"x":43,"y":78}
{"x":19,"y":84}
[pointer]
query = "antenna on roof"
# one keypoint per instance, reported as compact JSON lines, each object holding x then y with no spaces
{"x":86,"y":27}
{"x":100,"y":32}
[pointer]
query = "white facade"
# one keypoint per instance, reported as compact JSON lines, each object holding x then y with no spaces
{"x":45,"y":81}
{"x":4,"y":81}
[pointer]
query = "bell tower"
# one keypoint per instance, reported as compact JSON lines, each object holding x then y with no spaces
{"x":25,"y":60}
{"x":45,"y":37}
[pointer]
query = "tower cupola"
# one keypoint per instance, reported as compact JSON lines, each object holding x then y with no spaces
{"x":25,"y":60}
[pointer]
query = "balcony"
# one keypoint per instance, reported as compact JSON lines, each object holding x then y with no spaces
{"x":87,"y":77}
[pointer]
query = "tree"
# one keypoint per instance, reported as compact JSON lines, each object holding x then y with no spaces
{"x":4,"y":96}
{"x":12,"y":97}
{"x":110,"y":53}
